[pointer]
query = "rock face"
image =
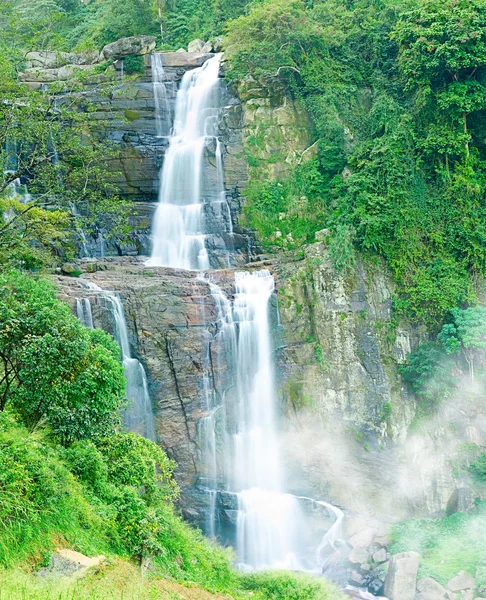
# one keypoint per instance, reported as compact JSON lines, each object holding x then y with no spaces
{"x":135,"y":45}
{"x":401,"y":579}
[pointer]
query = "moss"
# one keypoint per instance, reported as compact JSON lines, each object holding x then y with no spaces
{"x":131,"y":115}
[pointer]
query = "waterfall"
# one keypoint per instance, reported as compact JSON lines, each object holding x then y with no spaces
{"x":241,"y":441}
{"x":162,"y":104}
{"x":83,"y":312}
{"x":179,"y":228}
{"x":138,"y":416}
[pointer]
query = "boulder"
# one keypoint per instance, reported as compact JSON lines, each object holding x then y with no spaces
{"x":429,"y":587}
{"x":208,"y":47}
{"x":181,"y":50}
{"x":188,"y":60}
{"x":380,"y":556}
{"x":401,"y":579}
{"x":68,"y":563}
{"x":363,"y":538}
{"x":358,"y":556}
{"x":137,"y":45}
{"x":462,"y":581}
{"x":196,"y":45}
{"x":68,"y":268}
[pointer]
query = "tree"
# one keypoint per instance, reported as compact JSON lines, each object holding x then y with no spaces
{"x":52,"y":368}
{"x":442,"y":52}
{"x":466,"y":334}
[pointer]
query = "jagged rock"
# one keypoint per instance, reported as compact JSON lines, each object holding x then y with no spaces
{"x":196,"y":45}
{"x":357,"y":578}
{"x":358,"y":556}
{"x":462,"y":581}
{"x":380,"y":556}
{"x":401,"y":579}
{"x":363,"y":538}
{"x":135,"y":45}
{"x":47,"y":59}
{"x":432,"y":588}
{"x":68,"y":563}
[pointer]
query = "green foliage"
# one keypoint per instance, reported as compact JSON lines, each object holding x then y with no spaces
{"x":467,"y":333}
{"x":51,"y":367}
{"x":429,"y":372}
{"x":456,"y":543}
{"x":478,"y":468}
{"x":288,"y":586}
{"x":396,"y":94}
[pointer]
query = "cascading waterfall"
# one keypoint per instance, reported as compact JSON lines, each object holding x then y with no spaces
{"x":272,"y":528}
{"x":138,"y":416}
{"x":179,"y":229}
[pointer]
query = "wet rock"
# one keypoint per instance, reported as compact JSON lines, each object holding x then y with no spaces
{"x":462,"y":581}
{"x":135,"y":45}
{"x":69,"y":268}
{"x":68,"y":563}
{"x":401,"y":579}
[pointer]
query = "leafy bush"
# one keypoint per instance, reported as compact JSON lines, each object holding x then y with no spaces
{"x":478,"y":468}
{"x":53,"y":368}
{"x":288,"y":586}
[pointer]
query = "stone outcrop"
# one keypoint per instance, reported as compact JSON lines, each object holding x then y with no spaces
{"x":68,"y":563}
{"x":47,"y":59}
{"x":401,"y":579}
{"x":135,"y":45}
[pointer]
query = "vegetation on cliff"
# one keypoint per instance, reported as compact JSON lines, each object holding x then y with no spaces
{"x":70,"y":476}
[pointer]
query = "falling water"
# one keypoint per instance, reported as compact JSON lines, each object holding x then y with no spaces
{"x":179,"y":230}
{"x":272,"y":528}
{"x":83,"y":312}
{"x":138,"y":417}
{"x":162,"y":104}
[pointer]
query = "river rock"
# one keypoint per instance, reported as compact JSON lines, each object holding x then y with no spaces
{"x":218,"y":44}
{"x":401,"y":579}
{"x":135,"y":45}
{"x":462,"y":581}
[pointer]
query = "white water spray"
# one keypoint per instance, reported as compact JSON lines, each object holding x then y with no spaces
{"x":138,"y":416}
{"x":179,"y":232}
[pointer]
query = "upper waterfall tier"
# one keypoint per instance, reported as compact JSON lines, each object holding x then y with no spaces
{"x":192,"y":173}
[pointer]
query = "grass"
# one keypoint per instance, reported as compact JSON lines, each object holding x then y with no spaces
{"x":455,"y":543}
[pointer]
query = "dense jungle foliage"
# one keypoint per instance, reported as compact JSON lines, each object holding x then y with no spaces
{"x":395,"y":91}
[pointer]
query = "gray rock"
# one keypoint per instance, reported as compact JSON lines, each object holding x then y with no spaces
{"x":186,"y":60}
{"x":135,"y":45}
{"x":196,"y":45}
{"x":322,"y":235}
{"x":208,"y":47}
{"x":380,"y":556}
{"x":429,"y":586}
{"x":68,"y":563}
{"x":181,"y":50}
{"x":401,"y":579}
{"x":48,"y":59}
{"x":358,"y":556}
{"x":460,"y":582}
